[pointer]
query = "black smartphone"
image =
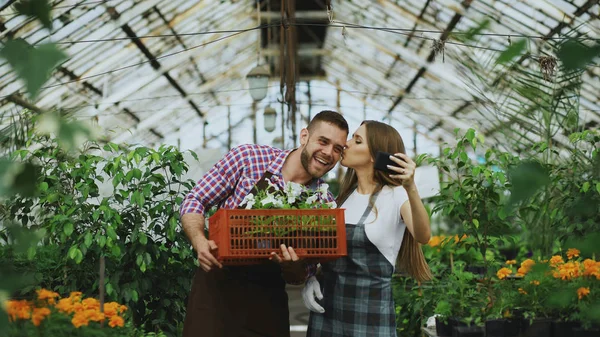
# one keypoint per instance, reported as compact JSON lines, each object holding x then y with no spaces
{"x":382,"y":160}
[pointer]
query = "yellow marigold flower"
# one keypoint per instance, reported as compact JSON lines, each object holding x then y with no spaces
{"x":511,"y":262}
{"x":503,"y":273}
{"x":47,"y":295}
{"x":435,"y":241}
{"x":572,"y":252}
{"x":582,"y":292}
{"x":522,"y":291}
{"x":556,"y":260}
{"x":38,"y":315}
{"x":535,"y":282}
{"x":519,"y":274}
{"x":116,"y":321}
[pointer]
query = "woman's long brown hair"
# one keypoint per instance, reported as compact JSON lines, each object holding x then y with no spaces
{"x":383,"y":137}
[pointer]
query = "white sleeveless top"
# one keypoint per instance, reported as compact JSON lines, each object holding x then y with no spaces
{"x":387,"y":230}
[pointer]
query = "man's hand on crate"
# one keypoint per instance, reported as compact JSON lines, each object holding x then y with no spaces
{"x":292,"y":267}
{"x":204,"y":249}
{"x":287,"y":255}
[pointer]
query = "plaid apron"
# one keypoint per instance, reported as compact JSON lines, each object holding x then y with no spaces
{"x":357,"y":291}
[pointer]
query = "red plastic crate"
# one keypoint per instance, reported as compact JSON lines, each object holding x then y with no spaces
{"x":247,"y":237}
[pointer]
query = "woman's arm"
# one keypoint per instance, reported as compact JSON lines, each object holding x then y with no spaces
{"x":415,"y":216}
{"x":412,"y":211}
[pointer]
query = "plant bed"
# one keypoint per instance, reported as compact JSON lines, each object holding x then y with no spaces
{"x":468,"y":331}
{"x":502,"y":328}
{"x":537,"y":328}
{"x":250,"y":236}
{"x":562,"y":328}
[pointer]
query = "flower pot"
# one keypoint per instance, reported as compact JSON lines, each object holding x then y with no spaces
{"x":502,"y":328}
{"x":468,"y":331}
{"x":443,"y":329}
{"x":537,"y":328}
{"x":562,"y":328}
{"x":509,"y":253}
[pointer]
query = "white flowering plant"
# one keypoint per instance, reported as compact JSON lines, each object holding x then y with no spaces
{"x":293,"y":196}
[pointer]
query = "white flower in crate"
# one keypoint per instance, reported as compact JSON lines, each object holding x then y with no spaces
{"x":293,"y":191}
{"x":323,"y":188}
{"x":273,"y":199}
{"x":312,"y":199}
{"x":249,"y":200}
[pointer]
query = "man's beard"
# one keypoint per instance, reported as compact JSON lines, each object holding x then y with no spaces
{"x":304,"y":158}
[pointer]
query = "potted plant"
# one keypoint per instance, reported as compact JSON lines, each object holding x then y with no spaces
{"x":459,"y":301}
{"x":294,"y":216}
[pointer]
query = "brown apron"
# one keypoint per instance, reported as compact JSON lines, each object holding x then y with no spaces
{"x":239,"y":301}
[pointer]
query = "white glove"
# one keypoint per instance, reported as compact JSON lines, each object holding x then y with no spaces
{"x":312,"y":290}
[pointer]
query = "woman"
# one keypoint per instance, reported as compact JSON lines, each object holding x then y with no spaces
{"x":385,"y":222}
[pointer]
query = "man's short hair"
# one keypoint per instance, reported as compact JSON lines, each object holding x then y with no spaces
{"x":329,"y":116}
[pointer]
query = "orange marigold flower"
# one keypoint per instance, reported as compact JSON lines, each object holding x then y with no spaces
{"x":535,"y":282}
{"x":116,"y":321}
{"x":435,"y":241}
{"x":65,"y":305}
{"x":591,"y":268}
{"x":556,"y":260}
{"x":47,"y":295}
{"x":511,"y":262}
{"x":503,"y":273}
{"x":38,"y":315}
{"x":80,"y":319}
{"x":457,"y":239}
{"x":568,"y":270}
{"x":522,"y":291}
{"x":572,"y":252}
{"x":582,"y":292}
{"x":18,"y":310}
{"x":75,"y":295}
{"x":91,"y":303}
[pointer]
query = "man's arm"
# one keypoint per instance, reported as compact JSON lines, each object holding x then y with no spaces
{"x":193,"y":225}
{"x":213,"y":187}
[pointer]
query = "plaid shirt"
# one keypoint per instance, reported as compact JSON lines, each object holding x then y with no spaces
{"x":234,"y":176}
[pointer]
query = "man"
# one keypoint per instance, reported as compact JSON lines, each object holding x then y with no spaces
{"x":251,"y":301}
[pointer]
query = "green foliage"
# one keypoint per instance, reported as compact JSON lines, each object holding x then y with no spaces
{"x":38,"y":9}
{"x":512,"y":51}
{"x":576,"y":55}
{"x":33,"y":65}
{"x":17,"y":178}
{"x":473,"y":196}
{"x":135,"y":226}
{"x":414,"y":304}
{"x":460,"y":295}
{"x":526,"y":179}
